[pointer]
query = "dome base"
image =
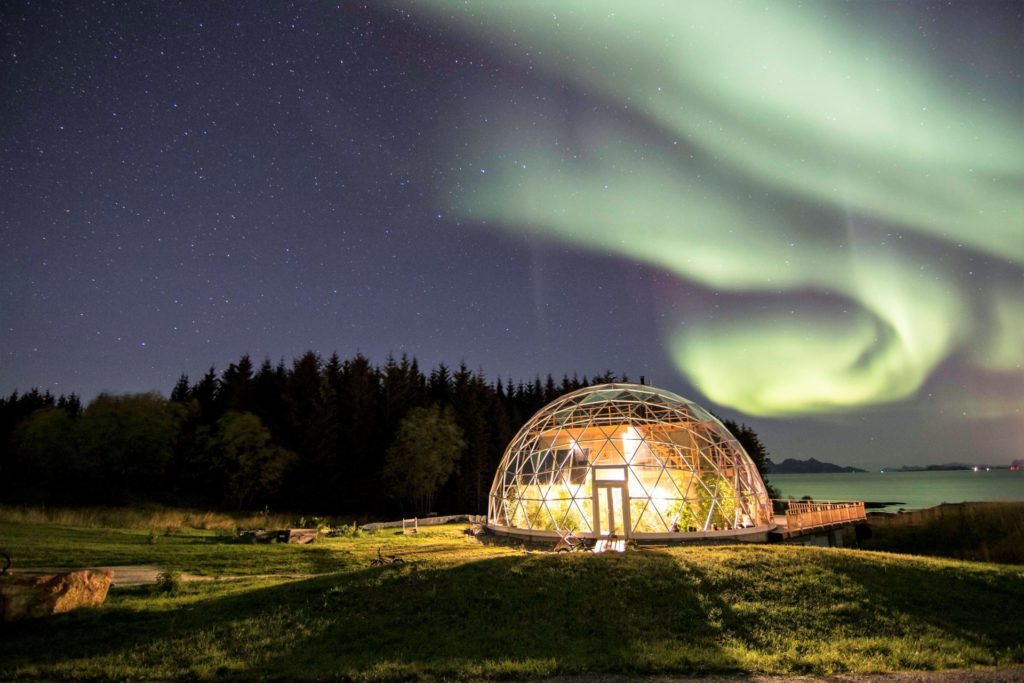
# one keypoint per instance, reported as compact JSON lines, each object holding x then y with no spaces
{"x":748,"y":535}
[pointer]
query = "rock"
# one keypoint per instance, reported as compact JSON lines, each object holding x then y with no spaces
{"x":301,"y":535}
{"x":25,"y":597}
{"x":281,"y":535}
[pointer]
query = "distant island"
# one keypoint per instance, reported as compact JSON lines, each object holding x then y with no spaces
{"x":953,"y":466}
{"x":810,"y":466}
{"x":933,"y":468}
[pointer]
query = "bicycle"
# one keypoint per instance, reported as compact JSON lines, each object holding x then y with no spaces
{"x":569,"y":542}
{"x":383,"y":560}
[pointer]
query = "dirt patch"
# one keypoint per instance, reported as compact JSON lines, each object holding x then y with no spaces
{"x":144,"y":574}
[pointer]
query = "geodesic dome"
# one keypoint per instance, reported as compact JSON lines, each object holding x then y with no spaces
{"x":629,"y":461}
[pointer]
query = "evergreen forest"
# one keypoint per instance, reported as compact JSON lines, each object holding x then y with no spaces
{"x":319,"y":437}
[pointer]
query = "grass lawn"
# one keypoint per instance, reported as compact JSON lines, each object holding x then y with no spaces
{"x":461,"y":609}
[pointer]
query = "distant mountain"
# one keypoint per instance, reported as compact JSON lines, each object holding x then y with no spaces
{"x":810,"y":466}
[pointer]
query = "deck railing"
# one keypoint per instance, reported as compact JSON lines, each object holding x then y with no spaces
{"x":811,"y":514}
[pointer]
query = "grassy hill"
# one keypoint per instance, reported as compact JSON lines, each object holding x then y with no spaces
{"x":461,"y":609}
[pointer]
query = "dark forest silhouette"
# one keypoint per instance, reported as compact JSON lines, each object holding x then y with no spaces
{"x":318,"y":436}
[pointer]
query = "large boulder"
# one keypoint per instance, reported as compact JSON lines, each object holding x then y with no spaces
{"x":26,"y":596}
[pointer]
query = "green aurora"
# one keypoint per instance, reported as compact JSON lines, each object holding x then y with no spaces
{"x":780,"y":152}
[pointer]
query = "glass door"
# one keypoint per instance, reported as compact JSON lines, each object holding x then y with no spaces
{"x":611,"y":502}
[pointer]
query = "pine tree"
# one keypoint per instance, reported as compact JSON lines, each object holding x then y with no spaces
{"x":237,"y":386}
{"x":182,"y":392}
{"x":440,"y":385}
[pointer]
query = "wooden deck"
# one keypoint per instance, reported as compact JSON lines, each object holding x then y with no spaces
{"x":804,"y":516}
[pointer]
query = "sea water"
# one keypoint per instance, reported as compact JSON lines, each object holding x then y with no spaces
{"x":909,"y":489}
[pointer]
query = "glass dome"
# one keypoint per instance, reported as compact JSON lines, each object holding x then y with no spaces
{"x":629,"y":461}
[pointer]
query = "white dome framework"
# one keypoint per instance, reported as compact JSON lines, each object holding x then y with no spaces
{"x":629,"y":461}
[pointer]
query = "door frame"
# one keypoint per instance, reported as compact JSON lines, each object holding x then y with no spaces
{"x":606,"y":485}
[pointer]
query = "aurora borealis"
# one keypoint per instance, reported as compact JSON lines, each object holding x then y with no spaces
{"x":775,"y":151}
{"x":805,"y":216}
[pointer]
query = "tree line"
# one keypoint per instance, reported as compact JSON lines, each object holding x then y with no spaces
{"x":334,"y":436}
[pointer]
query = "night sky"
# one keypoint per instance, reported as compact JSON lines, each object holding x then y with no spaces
{"x":807,"y":216}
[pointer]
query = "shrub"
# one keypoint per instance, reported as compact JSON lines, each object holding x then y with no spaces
{"x":347,"y":531}
{"x":169,"y":582}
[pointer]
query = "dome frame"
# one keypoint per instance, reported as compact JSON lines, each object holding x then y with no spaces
{"x":627,"y":461}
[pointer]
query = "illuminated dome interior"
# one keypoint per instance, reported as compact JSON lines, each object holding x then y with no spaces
{"x":626,"y":460}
